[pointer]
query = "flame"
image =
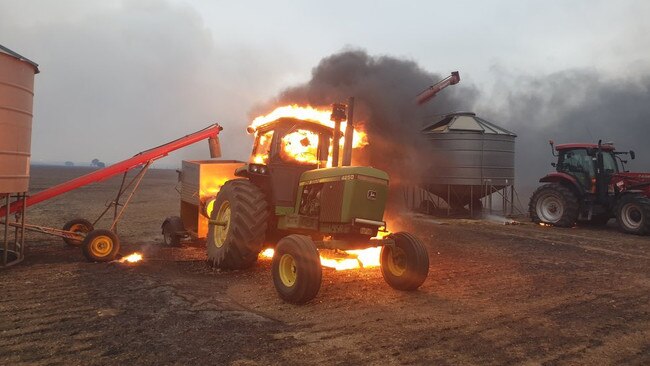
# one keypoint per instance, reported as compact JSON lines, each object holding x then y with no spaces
{"x":301,"y":145}
{"x":343,"y":260}
{"x":545,"y":224}
{"x":131,"y":258}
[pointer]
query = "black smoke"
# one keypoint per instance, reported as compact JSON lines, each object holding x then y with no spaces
{"x":384,"y":88}
{"x":567,"y":106}
{"x":570,"y":106}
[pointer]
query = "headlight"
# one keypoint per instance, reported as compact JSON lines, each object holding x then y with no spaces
{"x":254,"y":168}
{"x":262,"y":170}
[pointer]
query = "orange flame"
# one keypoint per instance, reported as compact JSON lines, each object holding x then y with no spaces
{"x":344,"y":260}
{"x":131,"y":258}
{"x":301,"y":145}
{"x":545,"y":224}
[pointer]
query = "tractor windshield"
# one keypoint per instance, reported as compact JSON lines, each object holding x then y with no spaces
{"x":300,"y":145}
{"x":578,"y":163}
{"x":262,"y":148}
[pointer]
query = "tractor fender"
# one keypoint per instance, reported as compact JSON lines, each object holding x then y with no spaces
{"x":242,"y":171}
{"x":565,"y":179}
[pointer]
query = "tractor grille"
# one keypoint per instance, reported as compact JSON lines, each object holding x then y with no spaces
{"x":332,"y":201}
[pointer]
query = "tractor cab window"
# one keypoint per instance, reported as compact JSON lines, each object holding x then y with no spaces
{"x":262,"y":148}
{"x":609,"y":163}
{"x":300,"y":146}
{"x":578,"y":163}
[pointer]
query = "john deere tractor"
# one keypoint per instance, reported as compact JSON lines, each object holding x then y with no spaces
{"x":294,"y":202}
{"x":590,"y":184}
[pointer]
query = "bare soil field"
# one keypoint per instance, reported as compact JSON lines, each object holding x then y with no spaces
{"x":495,"y":294}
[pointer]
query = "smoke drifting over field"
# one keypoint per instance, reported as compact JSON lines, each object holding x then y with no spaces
{"x":569,"y":106}
{"x":385,"y":88}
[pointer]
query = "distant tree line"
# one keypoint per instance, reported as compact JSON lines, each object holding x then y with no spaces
{"x":96,"y":163}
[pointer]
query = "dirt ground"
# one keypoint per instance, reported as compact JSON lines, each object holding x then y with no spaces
{"x":495,"y":294}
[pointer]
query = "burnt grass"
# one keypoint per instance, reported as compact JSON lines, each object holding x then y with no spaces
{"x":495,"y":295}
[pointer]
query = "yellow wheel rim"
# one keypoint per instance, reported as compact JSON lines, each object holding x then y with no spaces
{"x":221,"y":230}
{"x":101,"y":246}
{"x":396,"y":261}
{"x":287,"y":270}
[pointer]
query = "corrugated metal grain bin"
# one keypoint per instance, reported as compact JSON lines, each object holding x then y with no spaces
{"x":466,"y":154}
{"x":16,"y":103}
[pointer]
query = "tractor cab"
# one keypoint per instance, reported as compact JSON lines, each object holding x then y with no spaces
{"x":591,"y":185}
{"x":590,"y":166}
{"x":283,"y":150}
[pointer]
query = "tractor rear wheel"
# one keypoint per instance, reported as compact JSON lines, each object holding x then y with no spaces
{"x":554,"y":204}
{"x":296,"y":269}
{"x":237,"y":225}
{"x":633,"y":214}
{"x":405,"y":266}
{"x":81,"y":226}
{"x":101,"y":245}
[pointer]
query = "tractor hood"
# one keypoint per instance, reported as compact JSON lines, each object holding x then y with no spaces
{"x":632,"y":181}
{"x":342,"y":173}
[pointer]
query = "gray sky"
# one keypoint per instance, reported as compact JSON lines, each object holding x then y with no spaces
{"x":118,"y":77}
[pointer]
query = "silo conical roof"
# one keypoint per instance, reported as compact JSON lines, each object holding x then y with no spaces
{"x":464,"y":122}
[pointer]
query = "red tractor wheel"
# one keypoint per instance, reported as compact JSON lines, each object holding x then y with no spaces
{"x":633,"y":214}
{"x":554,"y":204}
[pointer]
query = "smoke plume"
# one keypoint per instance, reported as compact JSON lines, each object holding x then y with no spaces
{"x":384,"y":88}
{"x":570,"y":106}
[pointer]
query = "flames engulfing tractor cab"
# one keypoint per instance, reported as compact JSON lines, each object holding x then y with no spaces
{"x":590,"y":184}
{"x":289,"y":197}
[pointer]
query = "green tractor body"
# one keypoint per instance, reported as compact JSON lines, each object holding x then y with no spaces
{"x":288,"y":199}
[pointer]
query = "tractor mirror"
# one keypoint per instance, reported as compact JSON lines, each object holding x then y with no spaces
{"x":632,"y":154}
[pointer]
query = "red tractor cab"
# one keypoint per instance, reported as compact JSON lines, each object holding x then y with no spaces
{"x":591,"y":185}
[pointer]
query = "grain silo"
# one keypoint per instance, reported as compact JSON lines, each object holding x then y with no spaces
{"x":16,"y":105}
{"x":469,"y":159}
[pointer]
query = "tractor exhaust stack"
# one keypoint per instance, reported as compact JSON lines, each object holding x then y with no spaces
{"x":349,"y":134}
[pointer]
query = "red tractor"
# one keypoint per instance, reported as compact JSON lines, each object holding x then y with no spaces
{"x":591,"y":184}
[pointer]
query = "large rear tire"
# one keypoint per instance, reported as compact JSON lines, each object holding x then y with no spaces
{"x":238,"y":225}
{"x":554,"y":204}
{"x":81,"y":226}
{"x":296,"y":269}
{"x":406,"y":265}
{"x":633,"y":214}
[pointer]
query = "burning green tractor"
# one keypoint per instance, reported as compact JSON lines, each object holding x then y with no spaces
{"x":289,"y":198}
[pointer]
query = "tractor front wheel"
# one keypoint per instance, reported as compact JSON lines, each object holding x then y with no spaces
{"x":633,"y":214}
{"x":79,"y":226}
{"x":405,"y":265}
{"x":101,"y":246}
{"x":296,"y":269}
{"x":237,"y":225}
{"x":554,"y":204}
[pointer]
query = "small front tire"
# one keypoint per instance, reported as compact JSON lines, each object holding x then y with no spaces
{"x":101,"y":246}
{"x":405,"y":265}
{"x":80,"y":226}
{"x":633,"y":214}
{"x":170,"y":230}
{"x":296,"y":269}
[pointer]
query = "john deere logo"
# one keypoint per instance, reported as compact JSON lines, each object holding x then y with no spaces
{"x":372,"y":195}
